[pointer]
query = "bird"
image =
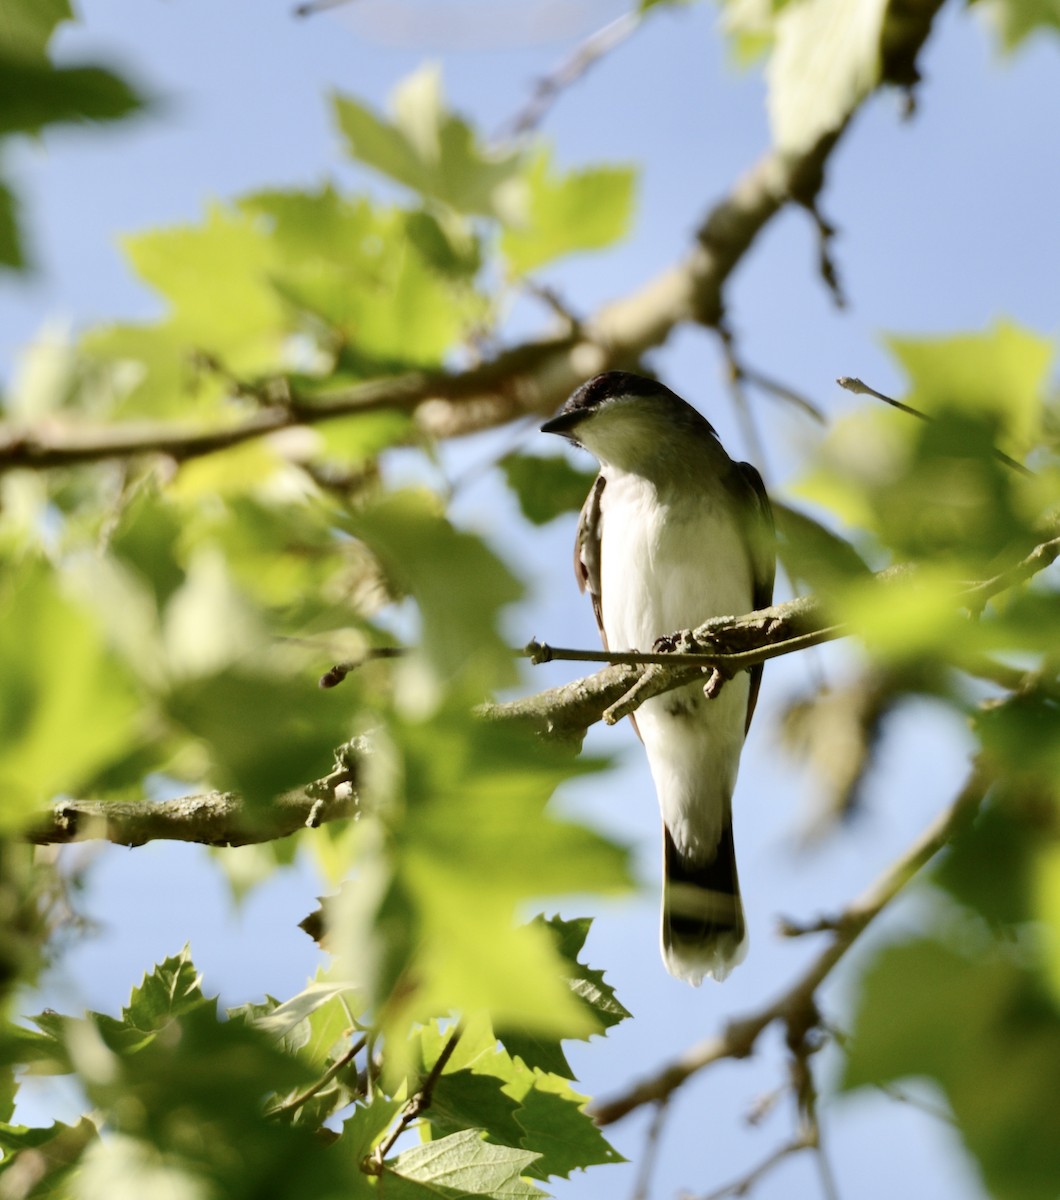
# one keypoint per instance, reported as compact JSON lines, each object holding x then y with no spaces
{"x":674,"y":532}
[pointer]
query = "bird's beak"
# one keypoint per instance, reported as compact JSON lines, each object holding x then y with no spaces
{"x":562,"y":423}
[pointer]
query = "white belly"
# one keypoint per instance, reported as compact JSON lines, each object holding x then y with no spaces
{"x":666,"y":568}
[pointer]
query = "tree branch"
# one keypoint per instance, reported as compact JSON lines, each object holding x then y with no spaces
{"x":211,"y":819}
{"x":534,"y":377}
{"x":796,"y":1005}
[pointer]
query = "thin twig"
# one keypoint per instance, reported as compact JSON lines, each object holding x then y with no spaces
{"x":782,"y":391}
{"x":339,"y":1063}
{"x":549,"y":87}
{"x":852,"y":384}
{"x":650,"y":1154}
{"x":417,"y":1105}
{"x":742,"y":1185}
{"x":738,"y":1038}
{"x":310,"y":8}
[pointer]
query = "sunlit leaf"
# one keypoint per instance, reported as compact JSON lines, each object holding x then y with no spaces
{"x":999,"y":374}
{"x":427,"y":148}
{"x":461,"y":1165}
{"x":826,"y":60}
{"x":565,"y":214}
{"x":67,"y":707}
{"x":458,"y":583}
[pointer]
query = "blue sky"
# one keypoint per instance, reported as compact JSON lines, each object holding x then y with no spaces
{"x":947,"y":223}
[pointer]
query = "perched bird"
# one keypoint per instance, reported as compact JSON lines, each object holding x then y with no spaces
{"x":674,"y":532}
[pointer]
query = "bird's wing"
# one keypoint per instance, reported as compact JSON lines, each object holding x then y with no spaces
{"x":587,"y":551}
{"x":761,"y":535}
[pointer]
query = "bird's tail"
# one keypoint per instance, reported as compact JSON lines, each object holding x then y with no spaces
{"x":703,"y":931}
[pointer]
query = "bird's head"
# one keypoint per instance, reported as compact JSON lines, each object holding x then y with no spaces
{"x":625,"y":419}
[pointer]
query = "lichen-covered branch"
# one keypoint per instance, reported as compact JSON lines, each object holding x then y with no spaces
{"x":212,"y":818}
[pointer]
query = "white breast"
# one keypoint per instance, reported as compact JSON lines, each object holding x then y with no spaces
{"x":666,"y":567}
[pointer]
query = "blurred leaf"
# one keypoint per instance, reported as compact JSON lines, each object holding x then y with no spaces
{"x":239,"y":317}
{"x":29,"y":25}
{"x":435,"y":883}
{"x":982,"y":1028}
{"x":1021,"y":738}
{"x":51,"y":1153}
{"x":36,"y":94}
{"x":68,"y":707}
{"x":584,"y":210}
{"x":353,"y":265}
{"x":460,"y":1165}
{"x":826,"y":60}
{"x":813,"y":554}
{"x":427,"y":148}
{"x":999,"y":375}
{"x":265,"y":733}
{"x":11,"y":252}
{"x":146,"y":540}
{"x":912,"y":618}
{"x":448,"y":243}
{"x":1017,"y":20}
{"x":458,"y":583}
{"x":546,"y":487}
{"x":124,"y":1168}
{"x":836,"y":732}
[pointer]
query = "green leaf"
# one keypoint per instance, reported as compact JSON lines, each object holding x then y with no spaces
{"x":458,"y":583}
{"x":428,"y":149}
{"x":354,"y":266}
{"x":467,"y":1100}
{"x":585,"y":210}
{"x":983,"y":1029}
{"x":1000,"y":375}
{"x":36,"y":94}
{"x":472,"y":791}
{"x":587,"y":984}
{"x":315,"y":1021}
{"x":171,"y":990}
{"x":550,"y":1119}
{"x":51,"y":1152}
{"x":67,"y":707}
{"x":1017,"y":20}
{"x":29,"y":25}
{"x":461,"y":1165}
{"x":813,"y":554}
{"x":239,"y":318}
{"x":435,"y":881}
{"x":559,"y":1130}
{"x":265,"y":733}
{"x":11,"y":251}
{"x":546,"y":487}
{"x":826,"y":60}
{"x":363,"y":1131}
{"x":125,"y":1168}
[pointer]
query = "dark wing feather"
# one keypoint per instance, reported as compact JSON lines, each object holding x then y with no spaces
{"x":761,"y":534}
{"x":587,"y":552}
